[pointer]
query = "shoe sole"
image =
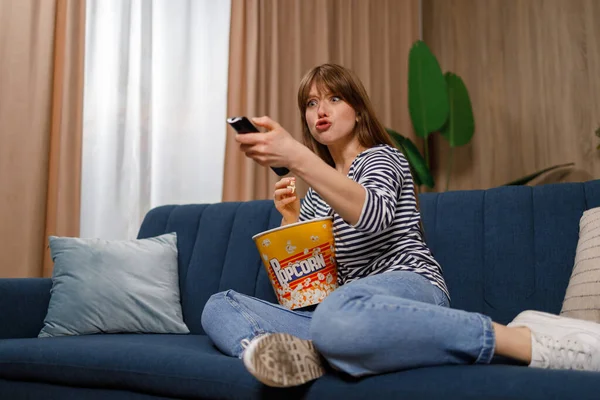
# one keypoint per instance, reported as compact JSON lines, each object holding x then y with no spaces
{"x":282,"y":360}
{"x":540,"y":319}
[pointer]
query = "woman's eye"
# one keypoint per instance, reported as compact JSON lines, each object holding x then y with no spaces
{"x":335,"y":99}
{"x":311,"y":103}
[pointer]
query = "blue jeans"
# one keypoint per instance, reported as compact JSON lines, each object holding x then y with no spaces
{"x":381,"y":323}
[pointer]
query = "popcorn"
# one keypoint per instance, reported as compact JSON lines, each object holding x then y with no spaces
{"x":292,"y":186}
{"x":266,"y":243}
{"x":312,"y":295}
{"x":284,"y":290}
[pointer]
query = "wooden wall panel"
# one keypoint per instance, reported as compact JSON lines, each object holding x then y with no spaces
{"x":532,"y":68}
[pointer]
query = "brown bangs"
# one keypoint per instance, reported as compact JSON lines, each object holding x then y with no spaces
{"x":328,"y":81}
{"x":339,"y":81}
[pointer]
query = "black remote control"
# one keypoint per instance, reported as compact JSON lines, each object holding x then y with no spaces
{"x":243,"y":125}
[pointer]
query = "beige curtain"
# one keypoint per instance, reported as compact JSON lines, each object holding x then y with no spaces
{"x":274,"y":43}
{"x":41,"y":81}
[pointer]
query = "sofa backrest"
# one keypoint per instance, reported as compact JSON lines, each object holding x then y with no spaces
{"x":502,"y":250}
{"x":507,"y":249}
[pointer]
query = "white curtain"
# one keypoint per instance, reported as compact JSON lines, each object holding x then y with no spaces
{"x":155,"y":105}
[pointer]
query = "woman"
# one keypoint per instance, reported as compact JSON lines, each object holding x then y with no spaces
{"x":391,"y":311}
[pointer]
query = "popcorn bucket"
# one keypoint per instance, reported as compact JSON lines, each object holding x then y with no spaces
{"x":300,"y":261}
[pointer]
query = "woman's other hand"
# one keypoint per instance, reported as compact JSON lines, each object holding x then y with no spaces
{"x":286,"y":201}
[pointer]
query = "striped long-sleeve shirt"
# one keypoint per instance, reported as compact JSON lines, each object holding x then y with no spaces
{"x":387,"y":236}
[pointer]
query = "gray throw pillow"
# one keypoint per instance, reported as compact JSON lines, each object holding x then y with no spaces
{"x":101,"y":286}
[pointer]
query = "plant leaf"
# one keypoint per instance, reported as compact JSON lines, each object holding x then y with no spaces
{"x":427,"y":92}
{"x":526,"y":179}
{"x":420,"y":171}
{"x":460,"y":126}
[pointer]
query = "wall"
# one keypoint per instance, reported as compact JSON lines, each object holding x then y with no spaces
{"x":532,"y":68}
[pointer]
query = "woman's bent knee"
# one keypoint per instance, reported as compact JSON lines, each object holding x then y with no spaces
{"x":339,"y":331}
{"x":215,"y":311}
{"x":221,"y":322}
{"x":335,"y":324}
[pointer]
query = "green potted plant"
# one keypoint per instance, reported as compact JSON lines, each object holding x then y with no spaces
{"x":437,"y":102}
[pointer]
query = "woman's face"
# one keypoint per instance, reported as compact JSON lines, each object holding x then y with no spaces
{"x":330,"y":119}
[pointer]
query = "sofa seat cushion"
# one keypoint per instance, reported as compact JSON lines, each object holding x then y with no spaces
{"x":464,"y":382}
{"x":163,"y":365}
{"x":190,"y":367}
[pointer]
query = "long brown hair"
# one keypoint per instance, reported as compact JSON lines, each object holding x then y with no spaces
{"x":341,"y":82}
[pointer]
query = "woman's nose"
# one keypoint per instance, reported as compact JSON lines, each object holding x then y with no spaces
{"x":323,"y":111}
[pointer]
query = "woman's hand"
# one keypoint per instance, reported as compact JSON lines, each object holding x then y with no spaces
{"x":274,"y":148}
{"x":286,"y":201}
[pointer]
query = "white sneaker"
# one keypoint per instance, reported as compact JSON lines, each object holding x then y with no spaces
{"x":560,"y":342}
{"x":282,"y":360}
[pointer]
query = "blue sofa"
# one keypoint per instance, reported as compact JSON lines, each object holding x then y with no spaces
{"x":503,"y":250}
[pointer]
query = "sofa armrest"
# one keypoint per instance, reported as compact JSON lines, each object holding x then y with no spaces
{"x":23,"y":306}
